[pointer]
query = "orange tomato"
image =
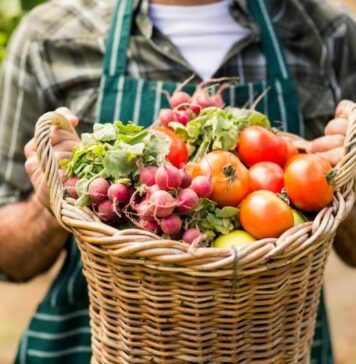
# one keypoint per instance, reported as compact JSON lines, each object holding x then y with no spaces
{"x":307,"y":183}
{"x":194,"y":169}
{"x":230,"y":178}
{"x":264,"y":215}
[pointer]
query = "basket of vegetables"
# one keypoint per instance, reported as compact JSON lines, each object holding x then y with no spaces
{"x":203,"y":238}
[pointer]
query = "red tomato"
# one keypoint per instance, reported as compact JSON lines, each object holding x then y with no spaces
{"x":229,"y":177}
{"x":264,"y":215}
{"x":257,"y":144}
{"x":307,"y":183}
{"x":266,"y":176}
{"x":178,"y":152}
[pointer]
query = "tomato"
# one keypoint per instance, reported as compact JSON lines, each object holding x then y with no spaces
{"x":266,"y":176}
{"x":194,"y":169}
{"x":306,"y":181}
{"x":292,"y":150}
{"x":229,"y":177}
{"x":257,"y":144}
{"x":178,"y":152}
{"x":264,"y":215}
{"x":232,"y":240}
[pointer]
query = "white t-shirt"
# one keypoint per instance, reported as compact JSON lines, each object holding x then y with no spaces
{"x":202,"y":33}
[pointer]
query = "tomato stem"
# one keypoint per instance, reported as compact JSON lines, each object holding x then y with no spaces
{"x":284,"y":196}
{"x":330,"y":177}
{"x":230,"y":173}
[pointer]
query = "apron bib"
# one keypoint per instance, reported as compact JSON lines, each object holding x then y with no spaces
{"x":59,"y":332}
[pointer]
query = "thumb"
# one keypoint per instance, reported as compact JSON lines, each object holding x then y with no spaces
{"x":68,"y":114}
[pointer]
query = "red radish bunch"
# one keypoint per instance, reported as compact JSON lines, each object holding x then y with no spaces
{"x":70,"y":185}
{"x":185,"y":107}
{"x":168,"y":177}
{"x":191,"y":235}
{"x":188,"y":201}
{"x":118,"y":193}
{"x":147,"y":175}
{"x":98,"y":190}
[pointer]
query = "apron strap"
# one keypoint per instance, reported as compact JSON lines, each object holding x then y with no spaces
{"x":115,"y":58}
{"x":276,"y":61}
{"x":118,"y":41}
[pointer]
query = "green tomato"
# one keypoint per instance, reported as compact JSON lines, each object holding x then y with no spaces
{"x":298,"y":217}
{"x":233,"y":239}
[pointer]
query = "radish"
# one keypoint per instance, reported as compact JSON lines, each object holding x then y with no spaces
{"x":202,"y":99}
{"x":171,"y":224}
{"x":217,"y":98}
{"x":150,"y":190}
{"x":162,"y":202}
{"x":118,"y":192}
{"x":182,"y":117}
{"x":178,"y":98}
{"x":202,"y":186}
{"x":145,"y":209}
{"x":147,"y":175}
{"x":196,"y":109}
{"x":166,"y":116}
{"x":186,"y":178}
{"x":150,"y":225}
{"x":106,"y":211}
{"x":70,"y":185}
{"x":191,"y":235}
{"x":98,"y":189}
{"x":188,"y":201}
{"x":168,"y":177}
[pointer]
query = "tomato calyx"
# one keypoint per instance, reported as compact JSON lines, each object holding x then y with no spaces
{"x":330,"y":177}
{"x":283,"y":195}
{"x":230,"y":173}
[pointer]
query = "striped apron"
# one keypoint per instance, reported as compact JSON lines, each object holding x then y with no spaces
{"x":59,"y":332}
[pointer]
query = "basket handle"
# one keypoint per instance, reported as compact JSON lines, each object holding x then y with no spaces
{"x":47,"y":160}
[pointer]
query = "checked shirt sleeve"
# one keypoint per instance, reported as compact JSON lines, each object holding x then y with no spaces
{"x":337,"y":27}
{"x":21,"y":103}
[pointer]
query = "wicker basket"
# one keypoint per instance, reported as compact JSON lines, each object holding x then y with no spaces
{"x":157,"y":301}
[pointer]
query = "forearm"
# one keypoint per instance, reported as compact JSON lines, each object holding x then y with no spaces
{"x":345,"y":240}
{"x":30,"y":239}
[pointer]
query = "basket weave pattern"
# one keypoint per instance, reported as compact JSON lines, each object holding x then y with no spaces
{"x":159,"y":301}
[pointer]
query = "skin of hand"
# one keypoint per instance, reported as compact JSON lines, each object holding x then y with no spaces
{"x":31,"y":247}
{"x":331,"y":145}
{"x":63,"y":143}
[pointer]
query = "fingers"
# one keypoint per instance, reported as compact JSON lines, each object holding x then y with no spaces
{"x":68,"y":114}
{"x":59,"y":135}
{"x":343,"y":108}
{"x":32,"y":164}
{"x":30,"y":148}
{"x":334,"y":156}
{"x":337,"y":126}
{"x":325,"y":143}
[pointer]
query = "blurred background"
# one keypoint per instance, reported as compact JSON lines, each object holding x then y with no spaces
{"x":18,"y":302}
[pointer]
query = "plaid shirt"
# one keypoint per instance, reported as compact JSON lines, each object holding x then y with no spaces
{"x":55,"y":59}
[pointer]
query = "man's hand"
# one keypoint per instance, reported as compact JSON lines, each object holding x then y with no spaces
{"x":63,"y":143}
{"x":331,"y":146}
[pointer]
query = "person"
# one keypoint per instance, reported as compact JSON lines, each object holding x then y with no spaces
{"x":305,"y":51}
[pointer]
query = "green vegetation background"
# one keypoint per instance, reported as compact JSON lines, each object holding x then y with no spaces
{"x":11,"y":12}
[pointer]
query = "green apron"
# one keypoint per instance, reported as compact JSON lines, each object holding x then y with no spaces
{"x":59,"y":332}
